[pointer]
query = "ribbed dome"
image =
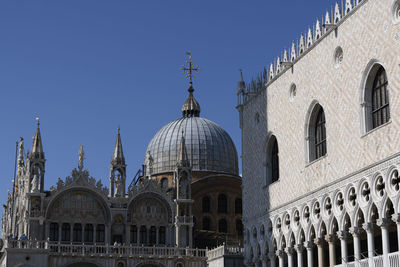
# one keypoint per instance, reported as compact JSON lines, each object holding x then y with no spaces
{"x":209,"y":147}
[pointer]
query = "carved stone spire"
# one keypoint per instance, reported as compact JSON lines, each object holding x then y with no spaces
{"x":118,"y":156}
{"x":37,"y":147}
{"x":81,"y":158}
{"x":21,"y":152}
{"x":182,"y":160}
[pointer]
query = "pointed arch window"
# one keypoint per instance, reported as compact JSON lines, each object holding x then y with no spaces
{"x":375,"y":105}
{"x":272,"y":166}
{"x":320,"y":135}
{"x":380,"y":99}
{"x":316,"y":133}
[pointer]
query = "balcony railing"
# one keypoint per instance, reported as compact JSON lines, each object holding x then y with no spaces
{"x":55,"y":248}
{"x":224,"y":250}
{"x":184,"y":219}
{"x":394,"y":261}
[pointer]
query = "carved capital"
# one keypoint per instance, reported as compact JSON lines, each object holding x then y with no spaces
{"x":289,"y":251}
{"x":330,"y":238}
{"x":383,"y":223}
{"x":342,"y":235}
{"x":355,"y":231}
{"x":368,"y":227}
{"x":309,"y":245}
{"x":396,"y":218}
{"x":299,"y":248}
{"x":319,"y":241}
{"x":279,"y":253}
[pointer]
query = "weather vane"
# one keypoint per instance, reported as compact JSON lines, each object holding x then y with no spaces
{"x":189,"y":69}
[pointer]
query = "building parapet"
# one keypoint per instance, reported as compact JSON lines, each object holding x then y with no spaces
{"x":306,"y":42}
{"x":82,"y":249}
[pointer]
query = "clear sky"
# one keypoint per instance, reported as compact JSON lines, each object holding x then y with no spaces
{"x":86,"y":66}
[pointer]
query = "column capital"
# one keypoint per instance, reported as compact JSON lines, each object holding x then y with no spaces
{"x":342,"y":235}
{"x":299,"y":248}
{"x":368,"y":227}
{"x":309,"y":245}
{"x":319,"y":241}
{"x":289,"y":251}
{"x":279,"y":253}
{"x":383,"y":223}
{"x":396,"y":218}
{"x":330,"y":238}
{"x":355,"y":231}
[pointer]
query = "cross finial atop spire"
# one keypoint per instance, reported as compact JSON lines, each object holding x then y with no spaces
{"x":189,"y":69}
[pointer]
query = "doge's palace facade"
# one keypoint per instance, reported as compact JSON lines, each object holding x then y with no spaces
{"x":321,"y":149}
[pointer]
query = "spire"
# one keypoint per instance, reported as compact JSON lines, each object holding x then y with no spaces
{"x":21,"y":152}
{"x":118,"y":156}
{"x":81,"y":154}
{"x":182,"y":160}
{"x":37,"y":147}
{"x":191,"y":108}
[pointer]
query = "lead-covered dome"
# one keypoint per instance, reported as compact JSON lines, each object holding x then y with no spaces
{"x":208,"y":146}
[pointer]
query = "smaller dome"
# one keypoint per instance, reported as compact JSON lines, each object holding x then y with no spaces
{"x":191,"y":108}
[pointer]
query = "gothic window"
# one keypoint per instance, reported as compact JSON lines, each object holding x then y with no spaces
{"x":238,"y":206}
{"x":65,"y":232}
{"x":133,"y":234}
{"x":380,"y":99}
{"x":222,"y":226}
{"x":143,"y":235}
{"x":239,"y":228}
{"x":161,"y":235}
{"x":316,"y":138}
{"x":153,"y":235}
{"x":272,"y":166}
{"x":88,"y":233}
{"x":164,"y":183}
{"x":222,"y":203}
{"x":375,"y":105}
{"x":53,"y":232}
{"x":320,"y":135}
{"x":206,"y":204}
{"x":100,"y":230}
{"x":206,"y":224}
{"x":77,"y":232}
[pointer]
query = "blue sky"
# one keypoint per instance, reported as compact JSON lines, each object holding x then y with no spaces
{"x":85,"y":67}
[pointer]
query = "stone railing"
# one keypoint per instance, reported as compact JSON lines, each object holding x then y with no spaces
{"x":105,"y":250}
{"x":224,"y":250}
{"x":394,"y":261}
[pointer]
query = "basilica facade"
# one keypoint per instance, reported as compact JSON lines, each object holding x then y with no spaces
{"x":186,"y":198}
{"x":321,"y":152}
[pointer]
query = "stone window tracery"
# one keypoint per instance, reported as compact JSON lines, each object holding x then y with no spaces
{"x":395,"y":180}
{"x":380,"y":186}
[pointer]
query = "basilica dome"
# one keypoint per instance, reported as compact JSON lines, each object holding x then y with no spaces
{"x":209,"y":147}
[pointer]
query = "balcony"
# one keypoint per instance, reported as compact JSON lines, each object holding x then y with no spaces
{"x":91,"y":250}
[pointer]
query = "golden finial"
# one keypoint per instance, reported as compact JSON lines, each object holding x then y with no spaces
{"x":37,"y":121}
{"x":189,"y":69}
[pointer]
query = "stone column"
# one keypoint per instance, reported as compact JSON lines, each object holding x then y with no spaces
{"x":289,"y":252}
{"x":71,"y":232}
{"x":331,"y":239}
{"x":83,"y":233}
{"x":396,"y":219}
{"x":320,"y":244}
{"x":369,"y":228}
{"x":279,"y":253}
{"x":127,"y":234}
{"x":342,"y":235}
{"x":299,"y":249}
{"x":384,"y":224}
{"x":157,"y":235}
{"x":59,"y":232}
{"x":94,"y":233}
{"x":356,"y":231}
{"x":272,"y":259}
{"x":309,"y":246}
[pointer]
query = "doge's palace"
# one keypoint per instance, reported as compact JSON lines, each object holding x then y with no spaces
{"x":321,"y":150}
